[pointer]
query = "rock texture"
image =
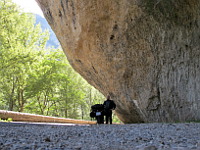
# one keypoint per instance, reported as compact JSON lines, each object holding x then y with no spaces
{"x":144,"y":53}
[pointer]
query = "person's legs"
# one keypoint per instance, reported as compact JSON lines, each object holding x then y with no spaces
{"x":107,"y":116}
{"x":110,"y":117}
{"x":106,"y":113}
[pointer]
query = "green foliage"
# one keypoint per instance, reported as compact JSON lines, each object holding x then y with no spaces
{"x":34,"y":79}
{"x":18,"y":38}
{"x":9,"y":120}
{"x":6,"y":120}
{"x":116,"y":119}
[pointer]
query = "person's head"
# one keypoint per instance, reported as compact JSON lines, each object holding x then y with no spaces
{"x":108,"y":97}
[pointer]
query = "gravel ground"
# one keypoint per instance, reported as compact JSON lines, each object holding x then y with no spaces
{"x":27,"y":136}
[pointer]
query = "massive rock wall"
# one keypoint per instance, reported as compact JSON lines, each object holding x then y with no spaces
{"x":144,"y":53}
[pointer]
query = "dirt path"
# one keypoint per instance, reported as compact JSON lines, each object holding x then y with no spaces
{"x":39,"y":136}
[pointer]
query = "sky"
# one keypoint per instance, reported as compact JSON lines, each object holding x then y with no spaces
{"x":29,"y":6}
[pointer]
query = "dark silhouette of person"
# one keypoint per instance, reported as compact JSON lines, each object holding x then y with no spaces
{"x":109,"y":105}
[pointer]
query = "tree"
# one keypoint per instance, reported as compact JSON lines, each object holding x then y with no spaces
{"x":18,"y":38}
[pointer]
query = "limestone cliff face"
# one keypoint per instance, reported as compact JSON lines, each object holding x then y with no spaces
{"x":144,"y":53}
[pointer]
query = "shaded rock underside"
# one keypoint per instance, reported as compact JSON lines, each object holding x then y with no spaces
{"x":144,"y":53}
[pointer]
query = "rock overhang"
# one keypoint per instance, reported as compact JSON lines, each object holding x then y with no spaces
{"x":143,"y":53}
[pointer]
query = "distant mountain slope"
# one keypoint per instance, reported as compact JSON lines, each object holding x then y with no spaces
{"x":53,"y":41}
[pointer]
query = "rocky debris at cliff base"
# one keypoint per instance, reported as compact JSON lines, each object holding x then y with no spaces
{"x":153,"y":136}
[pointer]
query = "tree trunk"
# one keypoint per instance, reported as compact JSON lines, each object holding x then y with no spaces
{"x":11,"y":98}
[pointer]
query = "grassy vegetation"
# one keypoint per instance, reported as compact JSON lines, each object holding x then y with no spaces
{"x":6,"y":120}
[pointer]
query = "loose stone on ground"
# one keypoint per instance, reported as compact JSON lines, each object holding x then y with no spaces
{"x":22,"y":136}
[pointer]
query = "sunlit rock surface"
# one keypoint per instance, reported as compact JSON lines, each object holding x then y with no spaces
{"x":144,"y":53}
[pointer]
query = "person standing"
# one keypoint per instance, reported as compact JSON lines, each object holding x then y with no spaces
{"x":109,"y":105}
